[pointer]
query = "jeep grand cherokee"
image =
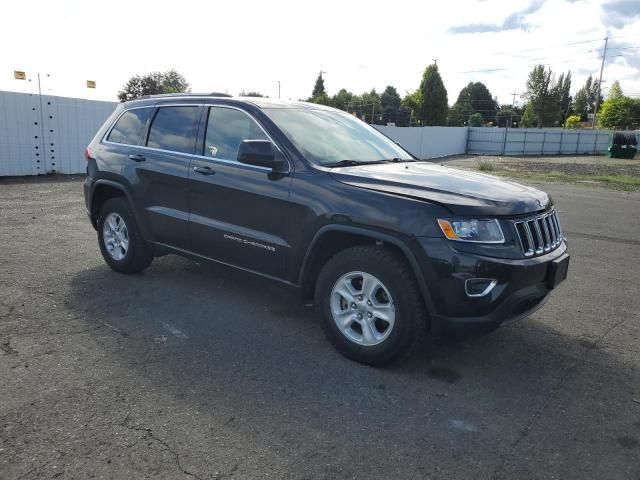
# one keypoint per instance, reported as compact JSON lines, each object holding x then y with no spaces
{"x":390,"y":248}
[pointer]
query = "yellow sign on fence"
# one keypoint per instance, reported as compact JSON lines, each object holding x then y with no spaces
{"x":19,"y":75}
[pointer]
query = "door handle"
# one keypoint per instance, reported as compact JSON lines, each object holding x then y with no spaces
{"x":204,"y":170}
{"x":136,"y":157}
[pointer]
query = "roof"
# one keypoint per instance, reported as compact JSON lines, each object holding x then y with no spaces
{"x":260,"y":102}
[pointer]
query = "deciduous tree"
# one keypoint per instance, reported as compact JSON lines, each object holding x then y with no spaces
{"x":479,"y":97}
{"x":154,"y":83}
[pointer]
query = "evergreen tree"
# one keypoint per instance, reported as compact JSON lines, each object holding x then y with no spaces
{"x":318,"y":89}
{"x":432,"y":107}
{"x":390,"y":102}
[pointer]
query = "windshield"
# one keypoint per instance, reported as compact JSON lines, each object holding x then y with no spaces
{"x":328,"y":137}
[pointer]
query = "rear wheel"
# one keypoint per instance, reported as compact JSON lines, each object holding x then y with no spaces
{"x":121,"y":244}
{"x":370,"y":305}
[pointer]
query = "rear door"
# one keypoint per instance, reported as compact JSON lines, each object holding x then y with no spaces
{"x":159,"y":173}
{"x":125,"y":138}
{"x":238,"y":212}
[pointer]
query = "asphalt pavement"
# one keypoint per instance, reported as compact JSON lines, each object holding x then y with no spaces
{"x":197,"y":371}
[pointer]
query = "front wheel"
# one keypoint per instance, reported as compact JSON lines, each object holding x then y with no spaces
{"x":371,"y":309}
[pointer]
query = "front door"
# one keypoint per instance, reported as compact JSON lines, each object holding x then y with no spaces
{"x":238,"y":212}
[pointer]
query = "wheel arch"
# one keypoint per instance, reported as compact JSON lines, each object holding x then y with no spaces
{"x":332,"y":239}
{"x":103,"y":190}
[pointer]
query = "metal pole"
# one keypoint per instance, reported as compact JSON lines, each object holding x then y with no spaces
{"x":604,"y":56}
{"x":42,"y":143}
{"x":506,"y":132}
{"x":373,"y":109}
{"x":278,"y":89}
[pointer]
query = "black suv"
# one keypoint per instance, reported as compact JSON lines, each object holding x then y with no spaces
{"x":391,"y":249}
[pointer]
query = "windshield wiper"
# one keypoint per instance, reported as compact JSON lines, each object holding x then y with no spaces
{"x":351,"y":163}
{"x":402,"y":160}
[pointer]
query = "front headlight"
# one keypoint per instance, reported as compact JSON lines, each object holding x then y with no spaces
{"x":472,"y":230}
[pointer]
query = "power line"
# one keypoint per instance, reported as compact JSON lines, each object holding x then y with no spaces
{"x":549,"y":47}
{"x":538,"y":61}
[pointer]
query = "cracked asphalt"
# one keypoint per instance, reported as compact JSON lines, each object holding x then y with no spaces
{"x":197,"y":371}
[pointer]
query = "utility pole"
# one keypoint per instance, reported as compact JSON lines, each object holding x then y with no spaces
{"x":278,"y":89}
{"x":595,"y":111}
{"x":513,"y":104}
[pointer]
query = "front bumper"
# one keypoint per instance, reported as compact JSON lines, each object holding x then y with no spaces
{"x":522,"y":286}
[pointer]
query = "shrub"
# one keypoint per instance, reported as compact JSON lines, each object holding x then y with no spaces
{"x":485,"y":165}
{"x":573,"y":121}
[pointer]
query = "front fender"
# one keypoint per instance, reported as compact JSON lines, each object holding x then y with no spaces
{"x":400,"y":243}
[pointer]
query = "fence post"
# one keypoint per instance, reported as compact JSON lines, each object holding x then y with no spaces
{"x":466,"y":146}
{"x":578,"y":142}
{"x":504,"y":143}
{"x":595,"y":142}
{"x":560,"y":144}
{"x":544,"y":139}
{"x":524,"y":142}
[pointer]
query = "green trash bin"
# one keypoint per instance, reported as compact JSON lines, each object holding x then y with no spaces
{"x":622,"y":145}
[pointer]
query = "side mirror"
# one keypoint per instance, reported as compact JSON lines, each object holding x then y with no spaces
{"x":259,"y":152}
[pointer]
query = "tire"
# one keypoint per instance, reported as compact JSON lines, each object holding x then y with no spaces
{"x":355,"y":270}
{"x":137,"y":255}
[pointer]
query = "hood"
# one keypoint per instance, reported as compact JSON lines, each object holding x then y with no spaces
{"x":461,"y":191}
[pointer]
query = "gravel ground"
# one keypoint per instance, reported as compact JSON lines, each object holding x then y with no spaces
{"x":583,"y":165}
{"x":193,"y":371}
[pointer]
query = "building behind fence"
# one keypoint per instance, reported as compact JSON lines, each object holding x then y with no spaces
{"x":45,"y":134}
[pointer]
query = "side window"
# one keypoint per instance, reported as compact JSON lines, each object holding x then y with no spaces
{"x":226,"y":129}
{"x":174,"y":128}
{"x":130,"y":126}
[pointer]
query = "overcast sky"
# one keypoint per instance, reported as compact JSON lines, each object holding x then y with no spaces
{"x":237,"y":45}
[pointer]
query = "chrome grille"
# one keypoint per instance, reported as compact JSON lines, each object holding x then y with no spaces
{"x":539,"y":234}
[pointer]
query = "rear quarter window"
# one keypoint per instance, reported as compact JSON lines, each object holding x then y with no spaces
{"x":130,"y":126}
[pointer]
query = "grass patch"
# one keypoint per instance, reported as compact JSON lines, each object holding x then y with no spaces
{"x":622,"y":182}
{"x":486,"y":165}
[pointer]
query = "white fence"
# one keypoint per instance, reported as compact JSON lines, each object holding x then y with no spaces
{"x":536,"y":141}
{"x":44,"y":133}
{"x":429,"y":142}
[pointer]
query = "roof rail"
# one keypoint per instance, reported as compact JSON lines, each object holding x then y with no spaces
{"x":161,"y":95}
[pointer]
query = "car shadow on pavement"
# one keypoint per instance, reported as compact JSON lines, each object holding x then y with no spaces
{"x":247,"y":349}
